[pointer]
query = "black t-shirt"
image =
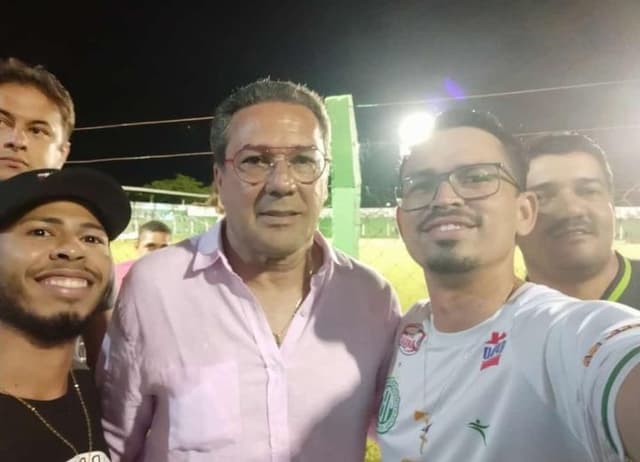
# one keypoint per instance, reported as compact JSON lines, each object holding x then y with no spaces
{"x":24,"y":438}
{"x":625,"y":286}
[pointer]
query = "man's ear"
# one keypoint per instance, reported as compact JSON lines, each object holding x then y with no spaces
{"x":399,"y":222}
{"x":216,"y":185}
{"x":65,"y":148}
{"x":217,"y":174}
{"x":325,"y":189}
{"x":527,"y":213}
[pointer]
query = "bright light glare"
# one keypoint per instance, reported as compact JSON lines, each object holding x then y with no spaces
{"x":414,"y":129}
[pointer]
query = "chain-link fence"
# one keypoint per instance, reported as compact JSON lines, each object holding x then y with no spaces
{"x":380,"y":245}
{"x":184,"y":220}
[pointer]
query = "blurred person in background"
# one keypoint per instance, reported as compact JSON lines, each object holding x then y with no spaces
{"x":36,"y":119}
{"x":571,"y":246}
{"x":152,"y":235}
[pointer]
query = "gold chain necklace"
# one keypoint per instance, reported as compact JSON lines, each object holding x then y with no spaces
{"x":308,"y":272}
{"x":278,"y":336}
{"x":50,"y":427}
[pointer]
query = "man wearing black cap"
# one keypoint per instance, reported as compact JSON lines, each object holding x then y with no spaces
{"x":37,"y":118}
{"x":55,"y":272}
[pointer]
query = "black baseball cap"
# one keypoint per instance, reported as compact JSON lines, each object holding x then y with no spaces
{"x":98,"y":192}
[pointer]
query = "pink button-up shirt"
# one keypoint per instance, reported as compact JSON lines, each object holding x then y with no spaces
{"x":121,"y":270}
{"x":190,"y":370}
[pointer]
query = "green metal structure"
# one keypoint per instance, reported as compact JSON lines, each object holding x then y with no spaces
{"x":345,"y":178}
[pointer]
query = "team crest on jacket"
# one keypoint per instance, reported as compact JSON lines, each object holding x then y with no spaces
{"x":389,"y":406}
{"x":493,"y":349}
{"x":412,"y":337}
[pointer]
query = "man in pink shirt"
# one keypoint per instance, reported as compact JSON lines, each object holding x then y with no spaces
{"x":152,"y":235}
{"x":255,"y":341}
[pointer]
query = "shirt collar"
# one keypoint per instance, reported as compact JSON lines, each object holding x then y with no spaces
{"x":209,"y":250}
{"x":620,"y":281}
{"x":208,"y":247}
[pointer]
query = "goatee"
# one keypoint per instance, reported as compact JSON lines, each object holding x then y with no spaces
{"x":451,"y":264}
{"x":48,"y":330}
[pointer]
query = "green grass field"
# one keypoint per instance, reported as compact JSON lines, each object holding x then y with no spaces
{"x":391,"y":259}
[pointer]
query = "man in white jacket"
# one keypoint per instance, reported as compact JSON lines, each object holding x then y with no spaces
{"x":492,"y":368}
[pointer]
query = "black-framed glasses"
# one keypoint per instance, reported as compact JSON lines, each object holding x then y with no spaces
{"x":473,"y":181}
{"x":254,"y":164}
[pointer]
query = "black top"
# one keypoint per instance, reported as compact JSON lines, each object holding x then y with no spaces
{"x":24,"y":438}
{"x":625,"y":286}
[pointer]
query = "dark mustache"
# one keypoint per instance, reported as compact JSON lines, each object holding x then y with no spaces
{"x":564,"y":224}
{"x":449,"y":213}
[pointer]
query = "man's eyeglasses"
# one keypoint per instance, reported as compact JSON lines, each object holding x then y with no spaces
{"x":473,"y":181}
{"x":254,"y":164}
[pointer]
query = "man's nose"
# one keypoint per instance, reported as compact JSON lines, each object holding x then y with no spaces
{"x":68,"y":248}
{"x":445,"y":195}
{"x":15,"y":139}
{"x":280,"y":180}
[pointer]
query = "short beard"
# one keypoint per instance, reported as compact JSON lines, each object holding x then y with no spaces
{"x":48,"y":330}
{"x":446,"y":262}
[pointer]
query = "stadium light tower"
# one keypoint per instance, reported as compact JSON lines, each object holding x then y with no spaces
{"x":414,"y":129}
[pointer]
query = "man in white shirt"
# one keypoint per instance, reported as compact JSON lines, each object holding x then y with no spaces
{"x":492,"y":368}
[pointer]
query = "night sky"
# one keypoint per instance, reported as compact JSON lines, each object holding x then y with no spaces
{"x":168,"y":60}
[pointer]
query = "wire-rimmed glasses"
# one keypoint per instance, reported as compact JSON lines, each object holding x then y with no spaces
{"x":473,"y":181}
{"x":254,"y":164}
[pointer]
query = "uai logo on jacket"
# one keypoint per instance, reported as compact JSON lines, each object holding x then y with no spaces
{"x":493,"y":349}
{"x":412,"y":337}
